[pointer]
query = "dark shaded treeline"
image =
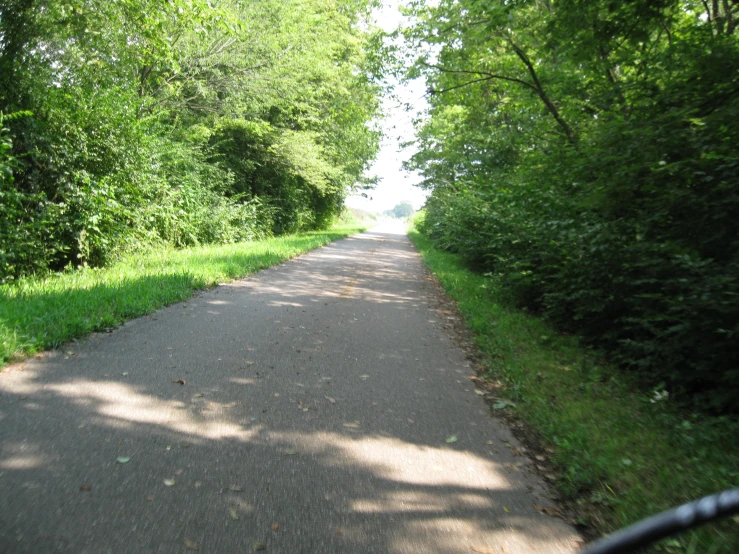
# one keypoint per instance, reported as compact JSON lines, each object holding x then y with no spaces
{"x":585,"y":154}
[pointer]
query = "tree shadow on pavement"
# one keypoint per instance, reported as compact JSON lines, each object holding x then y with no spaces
{"x":305,"y":424}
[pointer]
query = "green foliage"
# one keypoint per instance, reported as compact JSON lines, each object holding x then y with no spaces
{"x":401,"y":210}
{"x":183,"y":122}
{"x":620,"y":454}
{"x":585,"y":154}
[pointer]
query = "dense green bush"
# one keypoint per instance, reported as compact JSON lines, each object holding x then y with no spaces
{"x":612,"y":209}
{"x":183,"y":122}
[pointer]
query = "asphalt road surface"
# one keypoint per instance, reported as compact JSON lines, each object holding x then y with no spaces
{"x":324,"y":410}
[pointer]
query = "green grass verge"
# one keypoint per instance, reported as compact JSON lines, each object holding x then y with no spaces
{"x":40,"y":313}
{"x":618,"y":455}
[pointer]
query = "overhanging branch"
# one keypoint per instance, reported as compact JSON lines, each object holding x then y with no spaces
{"x":488,"y":75}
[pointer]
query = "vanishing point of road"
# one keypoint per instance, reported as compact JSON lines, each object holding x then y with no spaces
{"x":316,"y":407}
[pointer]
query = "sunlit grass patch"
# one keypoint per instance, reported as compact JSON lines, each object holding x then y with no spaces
{"x":43,"y":312}
{"x":620,"y":454}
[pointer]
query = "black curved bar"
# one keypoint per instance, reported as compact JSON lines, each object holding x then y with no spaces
{"x":652,"y":529}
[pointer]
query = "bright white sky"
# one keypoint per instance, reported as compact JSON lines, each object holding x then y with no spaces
{"x":395,"y":185}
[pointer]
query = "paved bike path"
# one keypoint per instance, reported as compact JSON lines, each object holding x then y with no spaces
{"x":319,"y":411}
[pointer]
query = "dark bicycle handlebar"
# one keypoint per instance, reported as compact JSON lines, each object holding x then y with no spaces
{"x":652,"y":529}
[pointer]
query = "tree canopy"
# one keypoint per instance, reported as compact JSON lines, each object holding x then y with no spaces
{"x":585,"y":154}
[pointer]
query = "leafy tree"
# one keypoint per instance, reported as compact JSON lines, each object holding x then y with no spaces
{"x":182,"y":121}
{"x":401,"y":210}
{"x":584,"y":153}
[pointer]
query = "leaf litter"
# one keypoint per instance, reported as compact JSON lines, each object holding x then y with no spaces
{"x":551,"y":511}
{"x":502,"y":404}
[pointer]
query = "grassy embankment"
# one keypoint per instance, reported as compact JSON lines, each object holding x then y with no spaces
{"x":618,"y":454}
{"x":40,"y":313}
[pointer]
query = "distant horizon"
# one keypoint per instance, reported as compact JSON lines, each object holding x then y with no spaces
{"x":395,"y":184}
{"x":380,"y":212}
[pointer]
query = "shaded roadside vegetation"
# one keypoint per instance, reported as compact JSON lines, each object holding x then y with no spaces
{"x":135,"y":123}
{"x":42,"y":312}
{"x":620,"y":454}
{"x":585,"y":154}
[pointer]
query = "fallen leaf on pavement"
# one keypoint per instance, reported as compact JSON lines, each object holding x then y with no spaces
{"x":85,"y":488}
{"x":506,"y":509}
{"x":339,"y":532}
{"x":122,"y":460}
{"x":551,"y":511}
{"x":258,"y":546}
{"x":330,"y":399}
{"x":198,"y":484}
{"x":275,"y":527}
{"x":233,"y":514}
{"x":191,"y":545}
{"x":170,"y":482}
{"x":150,"y":497}
{"x":364,"y":377}
{"x":198,"y":395}
{"x":451,"y":438}
{"x":480,"y":392}
{"x":180,"y":381}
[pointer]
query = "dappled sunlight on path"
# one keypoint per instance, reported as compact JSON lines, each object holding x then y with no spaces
{"x":316,"y":407}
